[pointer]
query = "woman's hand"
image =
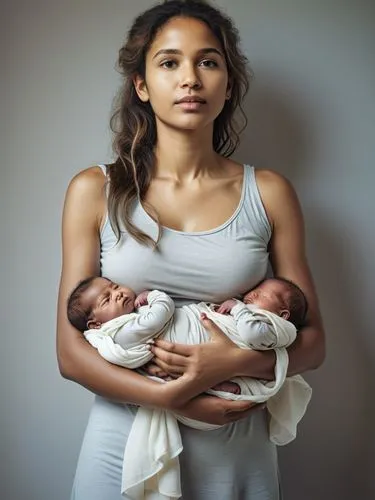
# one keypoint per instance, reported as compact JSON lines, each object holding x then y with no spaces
{"x":217,"y":411}
{"x":203,"y":365}
{"x":152,"y":369}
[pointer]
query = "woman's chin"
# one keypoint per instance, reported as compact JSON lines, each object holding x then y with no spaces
{"x":190,"y":122}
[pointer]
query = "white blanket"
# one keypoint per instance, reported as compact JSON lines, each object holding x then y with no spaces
{"x":151,"y":466}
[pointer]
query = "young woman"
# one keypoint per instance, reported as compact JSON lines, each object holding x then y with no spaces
{"x":183,"y":218}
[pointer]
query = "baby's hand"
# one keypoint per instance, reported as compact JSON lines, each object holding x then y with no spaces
{"x":226,"y":307}
{"x":141,"y":300}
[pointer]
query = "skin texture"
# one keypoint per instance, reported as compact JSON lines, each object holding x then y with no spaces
{"x":205,"y":190}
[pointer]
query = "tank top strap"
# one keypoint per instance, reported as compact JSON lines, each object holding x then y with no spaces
{"x":106,"y":232}
{"x":253,"y":209}
{"x":103,"y":168}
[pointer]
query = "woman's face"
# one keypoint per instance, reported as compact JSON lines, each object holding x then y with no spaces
{"x":185,"y":62}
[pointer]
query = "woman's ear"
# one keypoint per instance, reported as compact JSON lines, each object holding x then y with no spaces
{"x":141,"y":88}
{"x":93,"y":324}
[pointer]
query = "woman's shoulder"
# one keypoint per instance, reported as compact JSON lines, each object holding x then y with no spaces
{"x":271,"y":183}
{"x":275,"y":190}
{"x":86,"y":191}
{"x":88,"y":184}
{"x":89,"y":180}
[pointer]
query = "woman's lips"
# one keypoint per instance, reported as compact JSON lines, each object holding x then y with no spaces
{"x":190,"y":98}
{"x":191,"y":105}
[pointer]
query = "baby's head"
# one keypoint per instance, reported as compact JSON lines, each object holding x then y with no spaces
{"x":282,"y":297}
{"x":96,"y":300}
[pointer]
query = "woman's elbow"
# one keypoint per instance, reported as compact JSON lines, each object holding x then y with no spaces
{"x":66,"y":363}
{"x":64,"y":368}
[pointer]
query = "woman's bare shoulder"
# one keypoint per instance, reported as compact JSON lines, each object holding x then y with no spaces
{"x":268,"y":178}
{"x":86,"y":194}
{"x":272,"y":184}
{"x":89,"y":181}
{"x":277,"y":193}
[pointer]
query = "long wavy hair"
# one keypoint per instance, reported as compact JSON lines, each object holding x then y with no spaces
{"x":133,"y":121}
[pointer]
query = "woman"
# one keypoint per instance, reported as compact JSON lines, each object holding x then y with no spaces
{"x":184,"y":218}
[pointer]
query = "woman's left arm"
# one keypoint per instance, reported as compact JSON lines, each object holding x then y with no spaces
{"x":288,"y":259}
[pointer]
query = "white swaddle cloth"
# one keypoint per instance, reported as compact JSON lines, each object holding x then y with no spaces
{"x":151,"y":466}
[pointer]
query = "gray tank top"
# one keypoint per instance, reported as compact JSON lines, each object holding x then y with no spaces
{"x":209,"y":266}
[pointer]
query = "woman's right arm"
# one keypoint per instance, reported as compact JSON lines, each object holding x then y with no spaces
{"x":84,"y":209}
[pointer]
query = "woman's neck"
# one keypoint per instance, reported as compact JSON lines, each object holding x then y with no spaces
{"x":185,"y":156}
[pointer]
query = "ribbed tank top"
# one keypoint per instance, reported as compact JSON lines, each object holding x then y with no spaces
{"x":209,"y":266}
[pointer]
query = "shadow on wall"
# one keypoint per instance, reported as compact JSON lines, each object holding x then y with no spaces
{"x":331,"y":457}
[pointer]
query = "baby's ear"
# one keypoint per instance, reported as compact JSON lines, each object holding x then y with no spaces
{"x":285,"y":314}
{"x":93,"y":324}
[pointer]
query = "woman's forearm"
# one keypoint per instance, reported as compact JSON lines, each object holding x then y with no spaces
{"x":306,"y":353}
{"x":82,"y":364}
{"x":256,"y":364}
{"x":123,"y":385}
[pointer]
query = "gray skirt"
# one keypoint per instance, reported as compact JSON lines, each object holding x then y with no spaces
{"x":235,"y":462}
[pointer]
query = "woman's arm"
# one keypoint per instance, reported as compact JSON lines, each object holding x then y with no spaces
{"x":288,"y":258}
{"x":287,"y":254}
{"x":84,"y":209}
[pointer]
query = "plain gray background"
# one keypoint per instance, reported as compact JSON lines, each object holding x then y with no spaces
{"x":311,"y":117}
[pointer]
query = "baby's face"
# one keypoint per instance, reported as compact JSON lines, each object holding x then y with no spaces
{"x":269,"y":295}
{"x":107,"y":300}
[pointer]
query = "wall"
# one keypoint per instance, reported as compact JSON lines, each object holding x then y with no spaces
{"x":311,"y":117}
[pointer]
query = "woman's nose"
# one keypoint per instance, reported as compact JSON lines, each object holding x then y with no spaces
{"x":190,"y":79}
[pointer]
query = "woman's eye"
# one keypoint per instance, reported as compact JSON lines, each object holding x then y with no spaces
{"x":168,"y":64}
{"x":209,"y":63}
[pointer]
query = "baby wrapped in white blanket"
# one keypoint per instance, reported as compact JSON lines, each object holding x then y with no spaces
{"x":151,"y":467}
